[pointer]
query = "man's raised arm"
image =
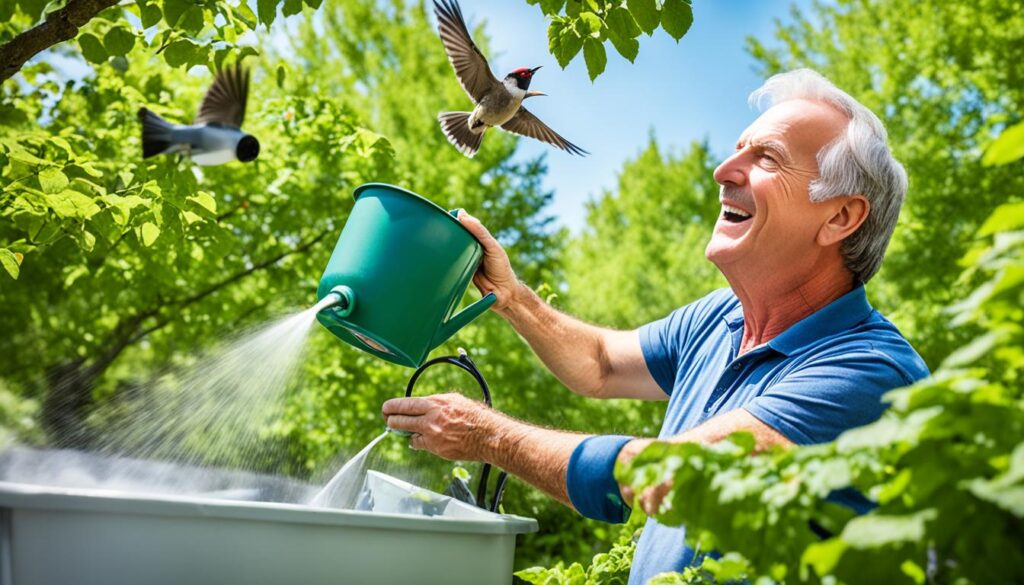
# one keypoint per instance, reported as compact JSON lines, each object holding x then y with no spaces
{"x":590,"y":361}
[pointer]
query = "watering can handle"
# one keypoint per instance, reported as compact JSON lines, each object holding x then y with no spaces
{"x":460,"y":320}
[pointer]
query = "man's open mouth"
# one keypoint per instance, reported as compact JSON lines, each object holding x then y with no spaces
{"x":733,"y":214}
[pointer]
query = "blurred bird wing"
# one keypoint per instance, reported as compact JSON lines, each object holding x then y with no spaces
{"x":224,"y":102}
{"x":470,"y":66}
{"x":526,"y":124}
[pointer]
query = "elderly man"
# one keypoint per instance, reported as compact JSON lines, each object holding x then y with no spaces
{"x":791,"y":352}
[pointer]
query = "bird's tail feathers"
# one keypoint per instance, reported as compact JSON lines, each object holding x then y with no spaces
{"x":156,"y":134}
{"x":456,"y":128}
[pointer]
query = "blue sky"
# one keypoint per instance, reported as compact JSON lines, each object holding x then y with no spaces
{"x":685,"y":91}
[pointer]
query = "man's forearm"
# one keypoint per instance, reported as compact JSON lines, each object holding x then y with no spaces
{"x":536,"y":455}
{"x":571,"y":349}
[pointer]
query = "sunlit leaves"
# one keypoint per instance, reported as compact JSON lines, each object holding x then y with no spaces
{"x":92,"y":48}
{"x":676,"y":17}
{"x":593,"y":52}
{"x":118,"y":41}
{"x":181,"y":52}
{"x":645,"y":12}
{"x":577,"y":24}
{"x":11,"y":261}
{"x":267,"y":11}
{"x":1007,"y":148}
{"x":149,"y":13}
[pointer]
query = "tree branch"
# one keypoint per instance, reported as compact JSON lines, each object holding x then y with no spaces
{"x":58,"y":27}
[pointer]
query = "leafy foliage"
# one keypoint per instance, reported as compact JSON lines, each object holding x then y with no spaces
{"x":587,"y":24}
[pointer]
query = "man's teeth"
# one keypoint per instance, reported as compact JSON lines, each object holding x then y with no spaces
{"x":734,"y":211}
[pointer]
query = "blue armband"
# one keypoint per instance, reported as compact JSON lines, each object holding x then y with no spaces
{"x":590,"y":479}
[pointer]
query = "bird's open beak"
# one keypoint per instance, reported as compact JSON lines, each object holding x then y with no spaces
{"x":534,"y":70}
{"x":532,"y":93}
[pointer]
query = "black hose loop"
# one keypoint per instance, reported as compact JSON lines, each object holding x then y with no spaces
{"x":464,"y":362}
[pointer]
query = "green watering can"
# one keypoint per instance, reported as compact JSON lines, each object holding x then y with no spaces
{"x":397,"y":274}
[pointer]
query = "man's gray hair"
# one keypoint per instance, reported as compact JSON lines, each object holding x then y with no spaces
{"x":858,"y":162}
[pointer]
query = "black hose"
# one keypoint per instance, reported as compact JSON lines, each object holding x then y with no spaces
{"x":464,"y":362}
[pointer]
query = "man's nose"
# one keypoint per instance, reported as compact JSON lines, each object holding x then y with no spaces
{"x":731,"y":171}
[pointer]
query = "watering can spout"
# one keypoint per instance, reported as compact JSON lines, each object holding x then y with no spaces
{"x":460,"y":320}
{"x":341,"y":298}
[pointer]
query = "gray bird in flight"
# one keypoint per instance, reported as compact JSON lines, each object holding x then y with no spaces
{"x":215,"y":137}
{"x":498,"y":103}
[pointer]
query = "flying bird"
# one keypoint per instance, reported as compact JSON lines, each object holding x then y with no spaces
{"x":498,"y":103}
{"x":215,"y":137}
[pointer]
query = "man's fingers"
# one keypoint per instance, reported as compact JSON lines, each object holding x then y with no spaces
{"x":477,"y":229}
{"x":401,"y":422}
{"x":413,"y":406}
{"x":652,"y":497}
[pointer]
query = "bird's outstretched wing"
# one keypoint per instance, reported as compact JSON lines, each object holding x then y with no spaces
{"x":470,"y":66}
{"x":224,"y":102}
{"x":526,"y":124}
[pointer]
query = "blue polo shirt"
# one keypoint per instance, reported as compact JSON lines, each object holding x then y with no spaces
{"x":822,"y":376}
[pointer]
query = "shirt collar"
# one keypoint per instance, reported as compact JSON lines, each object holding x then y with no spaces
{"x":839,"y":315}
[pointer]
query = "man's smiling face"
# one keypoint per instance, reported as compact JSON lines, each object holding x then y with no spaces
{"x":768,"y":223}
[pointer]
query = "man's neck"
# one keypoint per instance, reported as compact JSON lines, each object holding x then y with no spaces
{"x":769,"y":310}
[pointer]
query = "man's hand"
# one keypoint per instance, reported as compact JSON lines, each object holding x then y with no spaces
{"x":651,"y":498}
{"x":495,"y":273}
{"x":448,"y":425}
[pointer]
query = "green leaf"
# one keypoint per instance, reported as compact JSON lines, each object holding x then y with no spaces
{"x":876,"y":530}
{"x":267,"y":11}
{"x":51,"y":180}
{"x":622,"y":31}
{"x":33,"y":8}
{"x":824,"y":556}
{"x":193,"y":20}
{"x":281,"y":72}
{"x":291,"y":7}
{"x":645,"y":13}
{"x":72,"y":204}
{"x":314,"y":4}
{"x":180,"y":52}
{"x":118,"y":41}
{"x":1006,"y":217}
{"x":676,"y":17}
{"x":11,"y":262}
{"x":563,"y":42}
{"x":205,"y":201}
{"x":92,"y":48}
{"x":593,"y":53}
{"x":1007,"y":148}
{"x":174,"y":9}
{"x":149,"y":233}
{"x":551,"y":7}
{"x":149,"y":13}
{"x":591,"y":24}
{"x":621,"y":24}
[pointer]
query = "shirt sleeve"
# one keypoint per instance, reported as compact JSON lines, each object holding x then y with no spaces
{"x":590,"y":479}
{"x":820,"y":400}
{"x":663,"y":341}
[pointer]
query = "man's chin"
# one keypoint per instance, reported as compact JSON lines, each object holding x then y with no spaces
{"x":721,"y":250}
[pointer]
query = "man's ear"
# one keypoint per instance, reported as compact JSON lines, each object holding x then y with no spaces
{"x":849,"y":213}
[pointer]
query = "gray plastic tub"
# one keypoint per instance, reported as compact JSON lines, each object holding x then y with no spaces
{"x":53,"y":536}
